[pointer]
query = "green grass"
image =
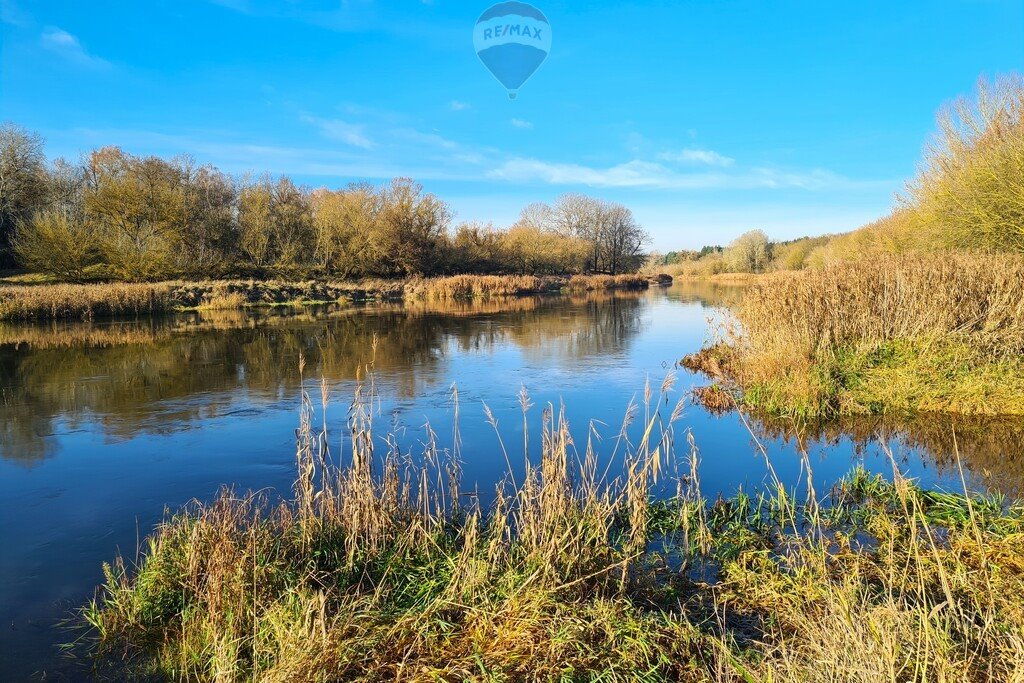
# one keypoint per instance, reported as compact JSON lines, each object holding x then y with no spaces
{"x":377,"y":569}
{"x":898,"y":377}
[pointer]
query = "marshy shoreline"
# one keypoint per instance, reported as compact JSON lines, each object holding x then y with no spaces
{"x":60,"y":301}
{"x":377,"y":569}
{"x":915,"y":333}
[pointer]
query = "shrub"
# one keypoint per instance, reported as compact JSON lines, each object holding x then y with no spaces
{"x":56,"y":243}
{"x":970,"y":190}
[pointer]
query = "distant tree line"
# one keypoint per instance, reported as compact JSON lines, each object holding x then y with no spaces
{"x":751,"y":252}
{"x":968,"y":195}
{"x":124,"y":217}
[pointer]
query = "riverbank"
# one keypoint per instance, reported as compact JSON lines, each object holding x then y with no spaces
{"x":941,"y":332}
{"x":379,"y":569}
{"x":90,"y":301}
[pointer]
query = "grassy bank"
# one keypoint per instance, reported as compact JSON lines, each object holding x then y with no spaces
{"x":380,"y":568}
{"x":67,"y":301}
{"x":926,"y":332}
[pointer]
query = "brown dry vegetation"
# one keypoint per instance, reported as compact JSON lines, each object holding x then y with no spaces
{"x":38,"y":302}
{"x":587,"y":283}
{"x":86,"y":302}
{"x":906,"y":333}
{"x":481,"y":286}
{"x":378,"y":569}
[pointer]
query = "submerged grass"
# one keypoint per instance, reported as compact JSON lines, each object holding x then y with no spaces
{"x":917,"y":333}
{"x":381,"y":567}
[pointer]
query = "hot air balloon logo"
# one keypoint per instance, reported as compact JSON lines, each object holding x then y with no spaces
{"x":512,"y":39}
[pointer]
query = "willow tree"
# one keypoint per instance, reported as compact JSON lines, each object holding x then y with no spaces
{"x":343,"y":225}
{"x":275,"y":226}
{"x":970,"y":190}
{"x":409,"y":231}
{"x":138,"y":206}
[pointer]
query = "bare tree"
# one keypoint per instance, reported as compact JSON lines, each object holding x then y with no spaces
{"x":208,"y":229}
{"x":538,"y":216}
{"x":622,"y":238}
{"x":22,"y":181}
{"x":614,"y":236}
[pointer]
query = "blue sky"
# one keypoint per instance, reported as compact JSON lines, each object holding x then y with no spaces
{"x":706,"y":118}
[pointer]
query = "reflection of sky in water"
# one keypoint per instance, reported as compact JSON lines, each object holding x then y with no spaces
{"x":105,"y":426}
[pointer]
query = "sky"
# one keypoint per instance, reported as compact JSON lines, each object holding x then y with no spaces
{"x":707,"y":118}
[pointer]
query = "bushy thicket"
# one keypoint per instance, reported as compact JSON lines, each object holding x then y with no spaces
{"x":117,"y":216}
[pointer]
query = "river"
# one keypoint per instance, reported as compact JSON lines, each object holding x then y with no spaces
{"x":106,"y":426}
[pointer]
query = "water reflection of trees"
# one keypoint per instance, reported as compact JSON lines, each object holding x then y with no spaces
{"x":991,"y":447}
{"x":159,"y":375}
{"x":707,"y":293}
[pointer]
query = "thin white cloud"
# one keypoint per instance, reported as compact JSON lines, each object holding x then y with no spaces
{"x":521,"y":123}
{"x":60,"y":42}
{"x":458,"y":106}
{"x":425,"y":139}
{"x":405,"y":151}
{"x":646,"y":174}
{"x":697,"y":156}
{"x":342,"y":131}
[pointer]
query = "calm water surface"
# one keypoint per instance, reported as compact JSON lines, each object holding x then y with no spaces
{"x":103,"y":427}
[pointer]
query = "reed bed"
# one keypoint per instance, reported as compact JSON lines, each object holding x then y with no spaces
{"x":978,"y":298}
{"x":480,"y":286}
{"x":920,"y":332}
{"x":91,"y":301}
{"x":83,"y":302}
{"x":380,"y":567}
{"x":495,"y":286}
{"x":589,"y":283}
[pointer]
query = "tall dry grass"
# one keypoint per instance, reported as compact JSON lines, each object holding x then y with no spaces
{"x":977,"y":298}
{"x":589,"y":283}
{"x":913,"y":332}
{"x":85,"y":302}
{"x":479,"y":286}
{"x":381,"y":567}
{"x":89,"y":301}
{"x":494,"y":286}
